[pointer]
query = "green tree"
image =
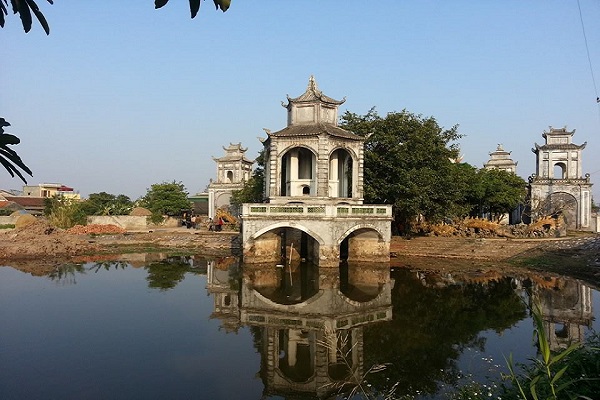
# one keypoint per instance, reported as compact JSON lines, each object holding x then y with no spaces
{"x":409,"y":164}
{"x":64,"y":212}
{"x":26,"y":7}
{"x":253,"y":190}
{"x":494,"y":192}
{"x":9,"y":158}
{"x":107,"y":204}
{"x":165,"y":199}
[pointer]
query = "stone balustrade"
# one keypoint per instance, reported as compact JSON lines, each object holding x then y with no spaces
{"x":321,"y":211}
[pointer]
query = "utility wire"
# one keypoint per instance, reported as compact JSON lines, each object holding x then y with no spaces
{"x":588,"y":52}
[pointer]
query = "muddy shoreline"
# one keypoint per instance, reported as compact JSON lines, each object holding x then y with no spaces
{"x":39,"y":249}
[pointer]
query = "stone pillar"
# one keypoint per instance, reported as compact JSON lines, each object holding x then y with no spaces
{"x":265,"y":249}
{"x":334,"y":180}
{"x":293,"y":173}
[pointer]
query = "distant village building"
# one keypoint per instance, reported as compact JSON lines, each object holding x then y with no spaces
{"x":233,"y":169}
{"x":558,"y":186}
{"x":500,"y":159}
{"x":31,"y":199}
{"x":50,"y":190}
{"x":314,"y":191}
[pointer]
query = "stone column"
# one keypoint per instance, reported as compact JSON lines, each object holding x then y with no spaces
{"x":293,"y":173}
{"x":334,"y":180}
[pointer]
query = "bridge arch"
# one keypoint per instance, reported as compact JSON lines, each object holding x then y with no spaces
{"x":288,"y":224}
{"x":366,"y":227}
{"x":363,"y":243}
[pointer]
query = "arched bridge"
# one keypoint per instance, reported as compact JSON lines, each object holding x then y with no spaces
{"x":320,"y":233}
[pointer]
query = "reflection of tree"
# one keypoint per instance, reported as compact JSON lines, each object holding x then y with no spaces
{"x":107,"y":265}
{"x":167,"y":273}
{"x":66,"y":274}
{"x":430,"y":328}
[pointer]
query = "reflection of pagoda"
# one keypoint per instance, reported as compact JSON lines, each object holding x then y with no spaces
{"x":567,"y":311}
{"x":223,"y":285}
{"x":314,"y":346}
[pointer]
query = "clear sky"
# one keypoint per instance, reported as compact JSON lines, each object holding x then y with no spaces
{"x":121,"y":96}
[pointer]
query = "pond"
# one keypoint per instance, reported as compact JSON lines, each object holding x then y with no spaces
{"x":191,"y":327}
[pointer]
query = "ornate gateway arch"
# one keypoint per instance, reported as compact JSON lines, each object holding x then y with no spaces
{"x":559,"y":187}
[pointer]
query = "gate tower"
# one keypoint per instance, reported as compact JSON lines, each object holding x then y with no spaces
{"x":314,"y":192}
{"x":558,"y":186}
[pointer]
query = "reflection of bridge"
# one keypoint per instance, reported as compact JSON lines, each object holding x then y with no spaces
{"x":315,"y":344}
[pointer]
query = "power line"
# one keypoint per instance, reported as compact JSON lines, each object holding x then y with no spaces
{"x":587,"y":49}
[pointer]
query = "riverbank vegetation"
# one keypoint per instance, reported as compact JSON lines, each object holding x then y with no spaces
{"x":166,"y":198}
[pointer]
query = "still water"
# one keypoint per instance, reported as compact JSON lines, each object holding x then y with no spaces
{"x":196,"y":328}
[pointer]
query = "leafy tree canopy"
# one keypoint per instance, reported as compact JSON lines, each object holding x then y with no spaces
{"x":496,"y":192}
{"x":165,"y":199}
{"x":408,"y":163}
{"x":107,"y":204}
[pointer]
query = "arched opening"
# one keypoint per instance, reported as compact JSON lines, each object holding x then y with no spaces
{"x":563,"y":205}
{"x":305,"y":190}
{"x":364,"y":245}
{"x":560,"y":171}
{"x":340,"y":174}
{"x":291,"y":277}
{"x":340,"y":354}
{"x":362,"y":284}
{"x":298,"y":171}
{"x":296,"y":348}
{"x":229,"y":176}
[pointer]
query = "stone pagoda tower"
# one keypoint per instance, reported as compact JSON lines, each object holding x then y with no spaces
{"x":558,"y":186}
{"x":233,"y":169}
{"x":500,"y":159}
{"x":314,"y":187}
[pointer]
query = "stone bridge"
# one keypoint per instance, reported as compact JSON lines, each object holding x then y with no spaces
{"x":321,"y":233}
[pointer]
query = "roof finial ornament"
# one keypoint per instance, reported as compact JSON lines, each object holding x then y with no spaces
{"x":499,"y":148}
{"x":312,"y":86}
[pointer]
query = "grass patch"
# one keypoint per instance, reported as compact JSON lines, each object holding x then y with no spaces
{"x":7,"y":226}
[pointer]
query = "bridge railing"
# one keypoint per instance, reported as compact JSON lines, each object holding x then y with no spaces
{"x":317,"y":210}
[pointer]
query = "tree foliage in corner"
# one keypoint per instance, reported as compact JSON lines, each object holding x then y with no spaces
{"x":165,"y":199}
{"x":26,"y":7}
{"x":195,"y":5}
{"x":408,"y":163}
{"x":9,"y":158}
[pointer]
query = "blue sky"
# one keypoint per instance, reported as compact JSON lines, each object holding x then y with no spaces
{"x":121,"y":96}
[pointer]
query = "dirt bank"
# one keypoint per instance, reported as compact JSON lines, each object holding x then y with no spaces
{"x":576,"y":256}
{"x":39,"y":246}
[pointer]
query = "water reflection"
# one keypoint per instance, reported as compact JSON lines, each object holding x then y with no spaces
{"x":567,"y":310}
{"x":313,"y":344}
{"x":320,"y":331}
